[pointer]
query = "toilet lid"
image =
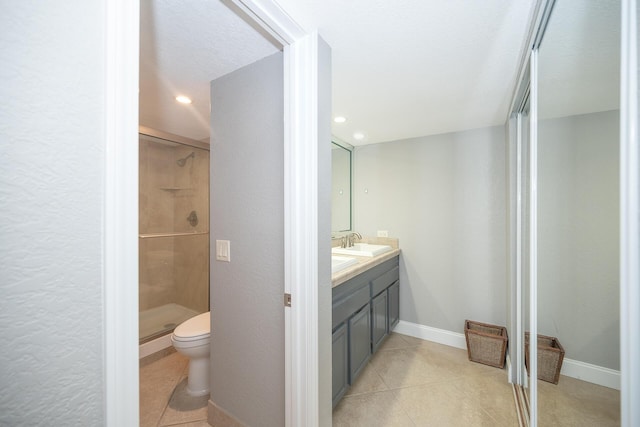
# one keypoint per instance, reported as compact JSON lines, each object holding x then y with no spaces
{"x":194,"y":328}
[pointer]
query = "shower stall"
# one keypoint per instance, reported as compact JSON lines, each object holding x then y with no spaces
{"x":174,"y":231}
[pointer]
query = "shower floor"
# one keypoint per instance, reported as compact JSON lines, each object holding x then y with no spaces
{"x":161,"y":320}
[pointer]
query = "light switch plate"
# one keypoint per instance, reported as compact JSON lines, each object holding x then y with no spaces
{"x":223,"y":250}
{"x":383,"y":233}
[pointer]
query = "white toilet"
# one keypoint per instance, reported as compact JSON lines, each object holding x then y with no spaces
{"x":192,"y":339}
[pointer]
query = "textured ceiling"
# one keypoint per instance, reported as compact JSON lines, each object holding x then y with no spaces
{"x":579,"y":61}
{"x":183,"y":46}
{"x":409,"y":68}
{"x":401,"y":68}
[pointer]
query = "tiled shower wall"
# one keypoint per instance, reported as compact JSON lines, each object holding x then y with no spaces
{"x":173,"y":269}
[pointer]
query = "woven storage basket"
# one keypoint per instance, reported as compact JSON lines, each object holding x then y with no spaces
{"x":550,"y":357}
{"x":486,"y":343}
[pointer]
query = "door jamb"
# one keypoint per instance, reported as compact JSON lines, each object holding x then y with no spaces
{"x":122,"y":31}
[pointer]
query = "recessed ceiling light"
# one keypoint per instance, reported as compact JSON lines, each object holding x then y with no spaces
{"x":183,"y":99}
{"x":358,"y":135}
{"x":339,"y":119}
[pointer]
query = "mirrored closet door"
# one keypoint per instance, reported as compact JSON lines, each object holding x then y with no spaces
{"x":578,"y":121}
{"x":565,"y":209}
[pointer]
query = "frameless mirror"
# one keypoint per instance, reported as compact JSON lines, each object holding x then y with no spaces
{"x":340,"y":187}
{"x":578,"y":211}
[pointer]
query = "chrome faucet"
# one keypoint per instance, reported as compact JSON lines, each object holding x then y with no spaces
{"x":351,"y":238}
{"x":348,"y":240}
{"x":343,"y":240}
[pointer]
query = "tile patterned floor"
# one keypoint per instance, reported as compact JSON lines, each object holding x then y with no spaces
{"x":408,"y":382}
{"x":577,"y":403}
{"x":411,"y":382}
{"x":163,"y":399}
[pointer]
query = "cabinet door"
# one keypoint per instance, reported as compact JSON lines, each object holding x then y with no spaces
{"x":379,"y":320}
{"x":394,"y":305}
{"x":359,"y":341}
{"x":340,"y":369}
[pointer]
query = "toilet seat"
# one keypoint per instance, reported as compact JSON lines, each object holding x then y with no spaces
{"x":195,"y":329}
{"x":192,"y":339}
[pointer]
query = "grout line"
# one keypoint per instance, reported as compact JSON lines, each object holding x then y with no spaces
{"x":173,"y":391}
{"x":497,"y":418}
{"x":179,"y":374}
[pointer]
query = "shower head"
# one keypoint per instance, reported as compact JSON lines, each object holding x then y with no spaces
{"x":183,"y":161}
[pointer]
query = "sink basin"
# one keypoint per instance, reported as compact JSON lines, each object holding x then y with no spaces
{"x":341,"y":262}
{"x":362,"y":249}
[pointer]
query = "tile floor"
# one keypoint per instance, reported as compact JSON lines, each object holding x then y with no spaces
{"x":411,"y":382}
{"x":408,"y":382}
{"x":577,"y":403}
{"x":163,"y":399}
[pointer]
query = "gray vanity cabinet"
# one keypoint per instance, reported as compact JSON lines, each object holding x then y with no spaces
{"x":365,"y":309}
{"x":380,"y":303}
{"x":359,"y":341}
{"x":340,"y":350}
{"x":394,"y":304}
{"x":380,"y":318}
{"x":351,"y":317}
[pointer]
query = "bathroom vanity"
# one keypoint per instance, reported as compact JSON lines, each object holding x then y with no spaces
{"x":365,"y":301}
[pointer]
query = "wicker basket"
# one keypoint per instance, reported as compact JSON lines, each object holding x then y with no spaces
{"x":550,"y":357}
{"x":486,"y":343}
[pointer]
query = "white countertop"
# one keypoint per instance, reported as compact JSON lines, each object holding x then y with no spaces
{"x":364,"y":264}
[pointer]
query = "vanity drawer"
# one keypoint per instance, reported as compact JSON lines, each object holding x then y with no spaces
{"x":381,"y":283}
{"x":344,"y":308}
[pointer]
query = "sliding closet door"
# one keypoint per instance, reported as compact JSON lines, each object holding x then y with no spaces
{"x":578,"y":212}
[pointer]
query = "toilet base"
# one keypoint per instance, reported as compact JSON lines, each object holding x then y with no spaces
{"x":198,"y":379}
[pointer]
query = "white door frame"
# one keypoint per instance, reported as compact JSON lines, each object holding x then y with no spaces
{"x":629,"y":218}
{"x":120,"y":213}
{"x":533,"y":239}
{"x":121,"y":210}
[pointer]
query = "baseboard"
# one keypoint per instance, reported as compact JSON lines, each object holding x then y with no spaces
{"x":217,"y":416}
{"x":572,"y":368}
{"x":154,"y":346}
{"x":441,"y":336}
{"x":591,"y":373}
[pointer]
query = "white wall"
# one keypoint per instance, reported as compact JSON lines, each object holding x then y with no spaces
{"x":51,"y":229}
{"x":578,"y":229}
{"x":443,"y":196}
{"x":247,"y":208}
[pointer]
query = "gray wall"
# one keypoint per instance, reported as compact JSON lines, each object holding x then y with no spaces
{"x":443,"y":196}
{"x":324,"y":236}
{"x":247,"y":208}
{"x":51,"y":231}
{"x":578,"y":228}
